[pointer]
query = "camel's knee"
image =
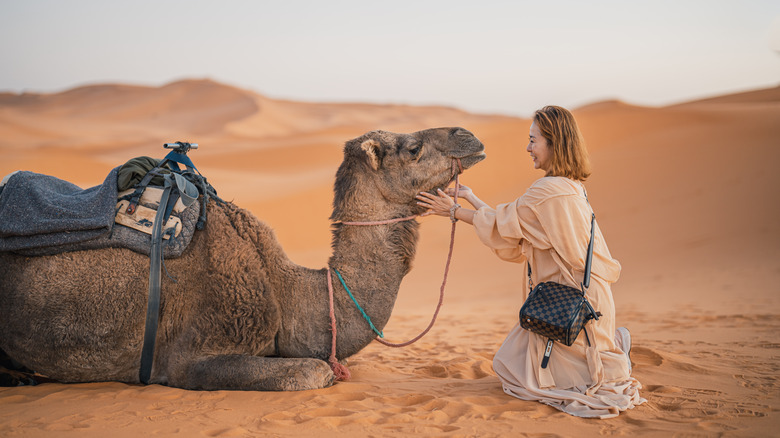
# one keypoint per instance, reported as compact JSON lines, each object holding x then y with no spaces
{"x":312,"y":374}
{"x":253,"y":373}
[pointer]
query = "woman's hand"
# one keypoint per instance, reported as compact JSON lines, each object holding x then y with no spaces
{"x":463,"y":192}
{"x":438,"y":205}
{"x":443,"y":205}
{"x":466,"y":193}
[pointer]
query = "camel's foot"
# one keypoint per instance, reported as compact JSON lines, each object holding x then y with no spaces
{"x":255,"y":373}
{"x":12,"y":373}
{"x":16,"y":378}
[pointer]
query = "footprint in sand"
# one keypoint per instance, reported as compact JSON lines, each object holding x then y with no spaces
{"x":662,"y":389}
{"x":434,"y":371}
{"x":646,"y":356}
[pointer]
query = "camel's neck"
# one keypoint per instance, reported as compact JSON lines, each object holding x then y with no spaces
{"x":372,"y":261}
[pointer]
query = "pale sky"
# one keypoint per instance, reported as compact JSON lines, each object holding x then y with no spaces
{"x":485,"y":56}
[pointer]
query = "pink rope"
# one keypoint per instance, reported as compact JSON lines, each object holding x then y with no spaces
{"x":438,"y":306}
{"x":443,"y":284}
{"x":385,"y":222}
{"x":340,"y":371}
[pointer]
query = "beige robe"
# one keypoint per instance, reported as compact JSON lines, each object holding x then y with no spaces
{"x":549,"y":227}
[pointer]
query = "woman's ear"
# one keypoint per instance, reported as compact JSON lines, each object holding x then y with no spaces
{"x":372,"y":148}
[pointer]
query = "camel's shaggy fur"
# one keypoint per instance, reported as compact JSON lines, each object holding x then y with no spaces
{"x":241,"y":315}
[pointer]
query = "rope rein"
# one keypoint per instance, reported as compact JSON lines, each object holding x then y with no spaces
{"x":340,"y":371}
{"x":385,"y":222}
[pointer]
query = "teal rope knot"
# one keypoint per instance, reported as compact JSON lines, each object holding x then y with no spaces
{"x":358,"y":305}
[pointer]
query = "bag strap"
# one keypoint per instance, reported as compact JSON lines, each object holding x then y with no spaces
{"x":588,"y":262}
{"x":589,"y":259}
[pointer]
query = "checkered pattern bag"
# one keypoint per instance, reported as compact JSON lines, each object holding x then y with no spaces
{"x":556,"y":311}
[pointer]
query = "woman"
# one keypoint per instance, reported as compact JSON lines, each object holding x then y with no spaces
{"x":549,"y":228}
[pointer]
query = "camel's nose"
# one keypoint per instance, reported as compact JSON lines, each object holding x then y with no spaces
{"x":460,"y":132}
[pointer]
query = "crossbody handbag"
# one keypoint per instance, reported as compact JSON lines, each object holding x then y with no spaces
{"x":556,"y":311}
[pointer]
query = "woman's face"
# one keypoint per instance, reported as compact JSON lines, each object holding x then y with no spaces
{"x":537,"y":147}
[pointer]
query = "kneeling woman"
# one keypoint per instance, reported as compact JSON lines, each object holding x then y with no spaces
{"x":549,"y":228}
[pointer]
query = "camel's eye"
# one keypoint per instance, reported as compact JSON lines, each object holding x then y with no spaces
{"x":415,"y":150}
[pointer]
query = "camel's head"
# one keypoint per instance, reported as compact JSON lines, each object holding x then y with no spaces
{"x":383,"y":171}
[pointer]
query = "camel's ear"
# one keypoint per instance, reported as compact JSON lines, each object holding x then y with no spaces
{"x":372,"y":149}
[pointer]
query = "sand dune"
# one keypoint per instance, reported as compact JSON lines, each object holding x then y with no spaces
{"x":686,"y":195}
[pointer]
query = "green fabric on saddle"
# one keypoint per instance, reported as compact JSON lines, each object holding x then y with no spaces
{"x":132,"y":172}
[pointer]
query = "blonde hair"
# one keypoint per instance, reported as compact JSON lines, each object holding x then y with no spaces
{"x":569,"y":154}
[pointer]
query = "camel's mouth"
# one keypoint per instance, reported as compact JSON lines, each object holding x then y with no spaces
{"x":469,"y":161}
{"x":473,"y":159}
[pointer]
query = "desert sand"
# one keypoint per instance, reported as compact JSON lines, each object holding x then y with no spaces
{"x":687,"y":197}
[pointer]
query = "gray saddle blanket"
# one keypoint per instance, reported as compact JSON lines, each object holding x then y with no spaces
{"x":44,"y":215}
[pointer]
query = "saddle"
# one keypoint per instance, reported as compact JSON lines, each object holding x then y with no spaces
{"x":143,"y":183}
{"x":43,"y":215}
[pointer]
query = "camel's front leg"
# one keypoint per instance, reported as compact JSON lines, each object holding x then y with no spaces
{"x":240,"y":372}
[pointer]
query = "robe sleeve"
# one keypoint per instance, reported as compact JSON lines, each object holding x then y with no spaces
{"x":500,"y":231}
{"x":510,"y":229}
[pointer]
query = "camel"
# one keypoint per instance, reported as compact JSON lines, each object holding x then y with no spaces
{"x":242,"y":315}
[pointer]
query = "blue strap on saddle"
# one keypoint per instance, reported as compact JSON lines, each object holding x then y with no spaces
{"x":176,"y":157}
{"x":172,"y":159}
